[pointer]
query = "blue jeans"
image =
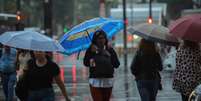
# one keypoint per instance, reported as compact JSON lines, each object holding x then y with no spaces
{"x":46,"y":94}
{"x":148,"y":89}
{"x":8,"y":81}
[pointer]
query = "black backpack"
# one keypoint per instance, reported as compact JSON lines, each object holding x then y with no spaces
{"x":103,"y":66}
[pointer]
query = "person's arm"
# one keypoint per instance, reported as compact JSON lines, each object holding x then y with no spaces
{"x":135,"y":65}
{"x":114,"y":58}
{"x":62,"y":87}
{"x":17,"y":60}
{"x":89,"y":54}
{"x":159,"y":62}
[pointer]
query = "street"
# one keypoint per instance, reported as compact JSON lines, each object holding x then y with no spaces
{"x":125,"y":88}
{"x":76,"y":82}
{"x":71,"y":26}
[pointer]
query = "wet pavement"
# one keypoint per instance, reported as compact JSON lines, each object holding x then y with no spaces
{"x":75,"y":76}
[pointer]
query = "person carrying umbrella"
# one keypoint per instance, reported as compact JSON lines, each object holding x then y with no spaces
{"x":8,"y":71}
{"x":40,"y":75}
{"x":187,"y":74}
{"x":145,"y":67}
{"x":101,"y":60}
{"x":21,"y":89}
{"x":41,"y":70}
{"x":23,"y":56}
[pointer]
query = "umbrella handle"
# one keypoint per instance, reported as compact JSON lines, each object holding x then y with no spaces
{"x":88,"y":35}
{"x":78,"y":55}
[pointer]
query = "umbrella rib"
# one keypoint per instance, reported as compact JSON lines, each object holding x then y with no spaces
{"x":88,"y":35}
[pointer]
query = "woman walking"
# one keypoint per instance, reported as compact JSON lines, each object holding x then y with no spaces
{"x":23,"y":56}
{"x":145,"y":67}
{"x":187,"y":74}
{"x":101,"y":60}
{"x":40,"y":75}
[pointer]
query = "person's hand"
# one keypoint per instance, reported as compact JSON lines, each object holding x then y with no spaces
{"x":68,"y":99}
{"x":93,"y":48}
{"x":109,"y":45}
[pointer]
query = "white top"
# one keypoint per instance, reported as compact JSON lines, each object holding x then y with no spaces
{"x":101,"y":82}
{"x":23,"y":59}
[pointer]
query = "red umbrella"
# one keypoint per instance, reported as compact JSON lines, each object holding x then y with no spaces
{"x":187,"y":27}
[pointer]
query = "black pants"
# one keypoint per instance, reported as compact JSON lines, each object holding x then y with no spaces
{"x":184,"y":97}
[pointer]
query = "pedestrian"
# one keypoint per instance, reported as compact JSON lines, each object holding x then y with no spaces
{"x":8,"y":71}
{"x":187,"y":74}
{"x":101,"y":60}
{"x":40,"y":75}
{"x":21,"y":89}
{"x":145,"y":67}
{"x":23,"y":56}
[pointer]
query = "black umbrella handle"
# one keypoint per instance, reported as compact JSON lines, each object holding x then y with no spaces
{"x":78,"y":55}
{"x":88,"y":35}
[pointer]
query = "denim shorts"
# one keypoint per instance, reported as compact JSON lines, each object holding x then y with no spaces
{"x":46,"y":94}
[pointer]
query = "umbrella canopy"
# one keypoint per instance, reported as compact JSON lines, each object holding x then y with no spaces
{"x":154,"y":33}
{"x":187,"y":28}
{"x":79,"y":37}
{"x":30,"y":40}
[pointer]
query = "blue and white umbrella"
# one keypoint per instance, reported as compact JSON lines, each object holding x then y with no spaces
{"x":30,"y":40}
{"x":79,"y":37}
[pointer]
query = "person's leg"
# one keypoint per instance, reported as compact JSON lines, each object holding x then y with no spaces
{"x":106,"y":93}
{"x":184,"y":97}
{"x":5,"y":80}
{"x":11,"y":84}
{"x":153,"y":89}
{"x":96,"y":93}
{"x":143,"y":91}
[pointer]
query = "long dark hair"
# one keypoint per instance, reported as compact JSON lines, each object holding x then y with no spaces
{"x":190,"y":44}
{"x":26,"y":51}
{"x":97,"y":34}
{"x":147,"y":46}
{"x":21,"y":51}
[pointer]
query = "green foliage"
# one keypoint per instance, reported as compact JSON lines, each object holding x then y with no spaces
{"x":65,"y":29}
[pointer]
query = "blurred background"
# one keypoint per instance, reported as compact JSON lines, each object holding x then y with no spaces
{"x":56,"y":17}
